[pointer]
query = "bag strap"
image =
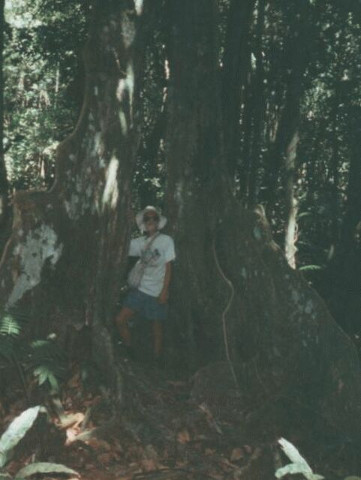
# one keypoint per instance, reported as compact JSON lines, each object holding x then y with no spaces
{"x":150,"y":241}
{"x":149,"y":244}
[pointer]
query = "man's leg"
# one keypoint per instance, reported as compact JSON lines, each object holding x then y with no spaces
{"x":121,"y":321}
{"x":157,"y":338}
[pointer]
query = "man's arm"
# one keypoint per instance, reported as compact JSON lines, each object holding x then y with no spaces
{"x":163,"y":297}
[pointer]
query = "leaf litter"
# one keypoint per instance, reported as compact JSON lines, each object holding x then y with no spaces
{"x":167,"y":436}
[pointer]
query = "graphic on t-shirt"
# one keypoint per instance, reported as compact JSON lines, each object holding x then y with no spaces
{"x":150,"y":257}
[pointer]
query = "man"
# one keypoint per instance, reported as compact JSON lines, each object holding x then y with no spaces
{"x":150,"y":296}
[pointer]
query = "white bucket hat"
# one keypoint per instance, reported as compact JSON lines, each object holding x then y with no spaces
{"x":140,"y":215}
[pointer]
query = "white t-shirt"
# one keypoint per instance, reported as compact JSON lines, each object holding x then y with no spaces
{"x":160,"y":252}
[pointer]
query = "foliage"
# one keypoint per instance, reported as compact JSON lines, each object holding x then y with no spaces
{"x":45,"y":359}
{"x":44,"y":467}
{"x":48,"y":363}
{"x":44,"y":88}
{"x":42,"y":74}
{"x":298,"y":466}
{"x":16,"y":431}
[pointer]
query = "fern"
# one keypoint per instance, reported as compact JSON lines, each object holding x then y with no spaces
{"x":46,"y":374}
{"x":44,"y":358}
{"x":9,"y":326}
{"x":48,"y":363}
{"x":11,"y":344}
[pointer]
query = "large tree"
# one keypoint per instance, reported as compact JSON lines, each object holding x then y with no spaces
{"x":76,"y":235}
{"x":234,"y":296}
{"x":235,"y":301}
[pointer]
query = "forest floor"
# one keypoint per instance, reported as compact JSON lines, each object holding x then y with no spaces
{"x":167,"y":434}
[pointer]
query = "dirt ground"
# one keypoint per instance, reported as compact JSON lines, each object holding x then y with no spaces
{"x":169,"y":432}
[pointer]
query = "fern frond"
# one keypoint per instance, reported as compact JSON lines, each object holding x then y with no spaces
{"x":9,"y":326}
{"x":46,"y":374}
{"x":48,"y":362}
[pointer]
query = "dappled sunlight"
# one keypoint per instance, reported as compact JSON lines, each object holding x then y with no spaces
{"x":110,"y":195}
{"x":139,"y":6}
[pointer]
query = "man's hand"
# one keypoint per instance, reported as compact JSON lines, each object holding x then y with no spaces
{"x":163,"y":297}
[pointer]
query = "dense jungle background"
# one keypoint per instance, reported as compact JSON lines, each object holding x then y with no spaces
{"x":241,"y":120}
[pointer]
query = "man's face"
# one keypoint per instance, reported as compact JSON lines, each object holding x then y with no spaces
{"x":151,"y":221}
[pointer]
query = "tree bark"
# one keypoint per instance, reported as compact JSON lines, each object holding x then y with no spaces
{"x":259,"y":103}
{"x":296,"y":58}
{"x":340,"y":282}
{"x":235,"y":69}
{"x":234,"y":298}
{"x":195,"y":169}
{"x":4,"y":184}
{"x":64,"y":260}
{"x":291,"y":203}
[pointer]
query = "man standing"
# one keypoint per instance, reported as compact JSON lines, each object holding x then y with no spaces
{"x":150,"y":278}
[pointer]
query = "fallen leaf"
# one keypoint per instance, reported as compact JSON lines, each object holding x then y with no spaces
{"x":104,"y":458}
{"x":237,"y":454}
{"x":183,"y":436}
{"x":99,"y":444}
{"x":74,"y":381}
{"x":71,"y":435}
{"x":150,"y":452}
{"x":148,"y":464}
{"x":209,"y":451}
{"x":73,"y":420}
{"x":248,"y":448}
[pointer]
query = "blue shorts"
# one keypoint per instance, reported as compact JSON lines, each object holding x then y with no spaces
{"x":146,"y":305}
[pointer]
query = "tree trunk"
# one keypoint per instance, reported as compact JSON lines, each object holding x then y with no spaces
{"x":258,"y":100}
{"x":291,"y":203}
{"x":296,"y":58}
{"x":234,"y":298}
{"x":235,"y":69}
{"x":65,"y":258}
{"x":340,"y":282}
{"x":335,"y":168}
{"x":4,"y":184}
{"x":195,"y":169}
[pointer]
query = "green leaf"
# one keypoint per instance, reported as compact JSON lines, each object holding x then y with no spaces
{"x":45,"y":374}
{"x":306,"y":268}
{"x":16,"y":432}
{"x":299,"y":464}
{"x":44,"y":467}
